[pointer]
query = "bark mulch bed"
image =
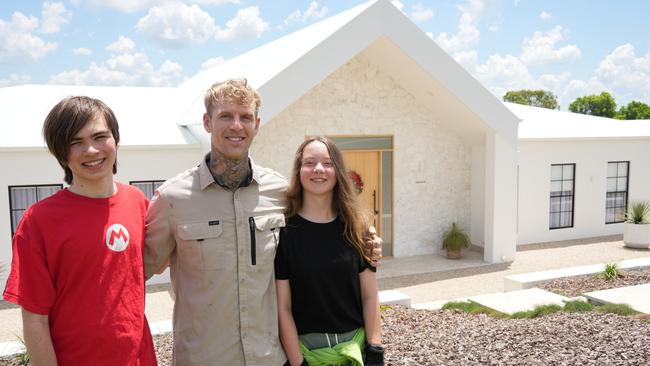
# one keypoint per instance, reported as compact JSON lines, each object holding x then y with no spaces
{"x":576,"y":286}
{"x":452,"y":337}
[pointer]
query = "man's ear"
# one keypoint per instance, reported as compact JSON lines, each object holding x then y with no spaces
{"x":206,"y":122}
{"x":257,"y":123}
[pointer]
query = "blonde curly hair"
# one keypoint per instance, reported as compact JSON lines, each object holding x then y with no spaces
{"x":232,"y":90}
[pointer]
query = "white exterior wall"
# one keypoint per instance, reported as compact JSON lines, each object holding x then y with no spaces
{"x":500,"y":240}
{"x":37,"y":166}
{"x":358,"y":99}
{"x":477,"y":231}
{"x":591,"y":158}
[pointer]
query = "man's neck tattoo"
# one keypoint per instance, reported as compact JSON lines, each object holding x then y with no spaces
{"x":229,"y":173}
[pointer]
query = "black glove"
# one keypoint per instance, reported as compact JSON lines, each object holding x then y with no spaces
{"x":374,"y":355}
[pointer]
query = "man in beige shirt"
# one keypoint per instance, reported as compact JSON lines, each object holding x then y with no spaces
{"x":219,"y":225}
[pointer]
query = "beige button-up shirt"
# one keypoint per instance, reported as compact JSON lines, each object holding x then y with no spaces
{"x":221,"y":244}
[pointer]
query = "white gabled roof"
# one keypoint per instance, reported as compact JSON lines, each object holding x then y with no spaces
{"x":145,"y":114}
{"x":548,"y":124}
{"x":285,"y":69}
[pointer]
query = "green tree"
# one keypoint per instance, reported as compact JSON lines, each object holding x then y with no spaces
{"x":634,"y":110}
{"x":534,"y":98}
{"x":602,"y":105}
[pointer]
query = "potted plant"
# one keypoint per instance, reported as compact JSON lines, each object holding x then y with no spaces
{"x":454,"y":239}
{"x":636,"y":232}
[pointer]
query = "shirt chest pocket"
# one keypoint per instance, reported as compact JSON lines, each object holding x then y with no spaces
{"x":265,"y":236}
{"x":202,"y":244}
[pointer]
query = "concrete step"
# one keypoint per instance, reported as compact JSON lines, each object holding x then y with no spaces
{"x":436,"y":305}
{"x":530,"y":280}
{"x":394,"y":297}
{"x":11,"y":348}
{"x":522,"y":300}
{"x":638,"y":297}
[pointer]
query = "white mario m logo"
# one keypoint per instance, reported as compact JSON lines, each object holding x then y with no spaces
{"x":117,"y":238}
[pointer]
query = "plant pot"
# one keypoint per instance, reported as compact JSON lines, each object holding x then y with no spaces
{"x":636,"y":235}
{"x":453,"y":253}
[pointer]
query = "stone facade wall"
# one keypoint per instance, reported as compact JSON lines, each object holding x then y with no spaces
{"x":432,"y":178}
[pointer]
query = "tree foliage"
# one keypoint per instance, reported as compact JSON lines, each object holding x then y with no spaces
{"x":634,"y":110}
{"x":534,"y":98}
{"x":602,"y":105}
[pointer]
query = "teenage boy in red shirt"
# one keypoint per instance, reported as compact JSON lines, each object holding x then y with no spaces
{"x":77,"y":269}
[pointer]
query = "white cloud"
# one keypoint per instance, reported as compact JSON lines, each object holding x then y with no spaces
{"x":420,"y":13}
{"x":177,"y":25}
{"x":215,"y":2}
{"x":540,"y":49}
{"x":18,"y":44}
{"x":545,"y":15}
{"x":493,"y":28}
{"x":429,"y":34}
{"x":15,"y":80}
{"x":54,"y":16}
{"x":579,"y":88}
{"x":468,"y":34}
{"x":500,"y":74}
{"x":212,"y":62}
{"x":123,"y":44}
{"x":82,"y":51}
{"x":626,"y":74}
{"x":130,"y":6}
{"x":313,"y":12}
{"x":127,"y":6}
{"x":623,"y":69}
{"x":125,"y":68}
{"x":247,"y":24}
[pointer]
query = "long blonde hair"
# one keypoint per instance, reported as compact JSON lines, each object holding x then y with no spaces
{"x":344,"y":199}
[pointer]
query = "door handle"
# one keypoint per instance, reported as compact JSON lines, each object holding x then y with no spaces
{"x":374,"y":207}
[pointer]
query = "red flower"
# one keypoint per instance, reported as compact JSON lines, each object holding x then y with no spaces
{"x":356,"y":181}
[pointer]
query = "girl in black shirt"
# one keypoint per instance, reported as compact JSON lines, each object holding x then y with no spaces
{"x":326,"y":288}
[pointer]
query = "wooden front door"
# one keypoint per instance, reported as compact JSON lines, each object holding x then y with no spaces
{"x":368,"y":165}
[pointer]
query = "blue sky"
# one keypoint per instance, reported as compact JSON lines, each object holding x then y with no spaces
{"x":571,"y":48}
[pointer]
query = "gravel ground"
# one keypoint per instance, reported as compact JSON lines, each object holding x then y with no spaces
{"x":576,"y":286}
{"x":452,"y":337}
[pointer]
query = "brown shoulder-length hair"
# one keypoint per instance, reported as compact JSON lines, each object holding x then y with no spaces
{"x":69,"y":117}
{"x":344,"y":199}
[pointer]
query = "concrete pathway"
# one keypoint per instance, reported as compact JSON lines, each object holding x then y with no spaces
{"x":521,"y":300}
{"x":638,"y":297}
{"x":486,"y":279}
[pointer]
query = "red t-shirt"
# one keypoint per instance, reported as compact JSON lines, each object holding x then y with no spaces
{"x":79,"y":260}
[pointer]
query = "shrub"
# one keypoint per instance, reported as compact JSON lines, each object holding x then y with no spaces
{"x":639,"y":213}
{"x":455,"y":238}
{"x":611,"y":271}
{"x":577,"y":306}
{"x":472,"y":307}
{"x":619,"y":309}
{"x":538,"y":311}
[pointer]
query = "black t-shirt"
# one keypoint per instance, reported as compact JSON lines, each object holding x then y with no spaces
{"x":323,"y":271}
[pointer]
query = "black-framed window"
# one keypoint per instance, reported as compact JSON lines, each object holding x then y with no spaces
{"x":616,"y":197}
{"x":147,"y":186}
{"x":562,"y":195}
{"x":21,"y":197}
